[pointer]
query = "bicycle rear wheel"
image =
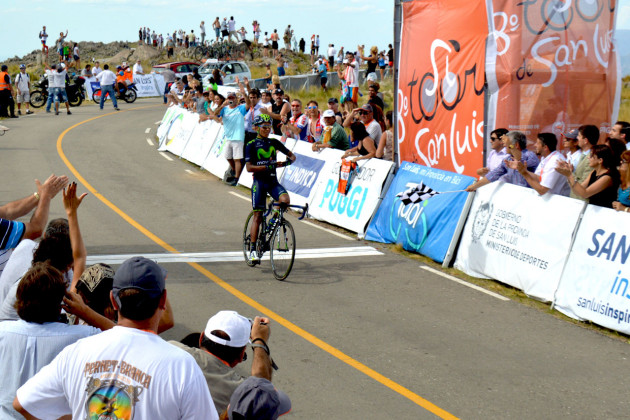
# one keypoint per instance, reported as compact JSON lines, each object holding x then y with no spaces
{"x":282,"y":250}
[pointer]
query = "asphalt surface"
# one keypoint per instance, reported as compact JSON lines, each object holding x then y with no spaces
{"x":363,"y":337}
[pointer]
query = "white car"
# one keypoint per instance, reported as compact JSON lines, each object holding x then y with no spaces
{"x":229,"y":69}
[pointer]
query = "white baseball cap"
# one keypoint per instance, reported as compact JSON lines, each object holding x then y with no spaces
{"x":236,"y":326}
{"x":328,"y":113}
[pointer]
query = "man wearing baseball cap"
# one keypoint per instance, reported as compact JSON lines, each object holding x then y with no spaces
{"x":334,"y":136}
{"x":129,"y":364}
{"x":222,"y":347}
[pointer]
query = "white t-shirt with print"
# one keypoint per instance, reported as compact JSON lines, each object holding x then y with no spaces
{"x":133,"y":373}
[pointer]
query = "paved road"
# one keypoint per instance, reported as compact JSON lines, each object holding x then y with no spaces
{"x":356,"y":337}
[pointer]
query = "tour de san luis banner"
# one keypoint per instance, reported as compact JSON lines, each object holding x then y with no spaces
{"x":553,"y":66}
{"x":441,"y":84}
{"x":466,"y":68}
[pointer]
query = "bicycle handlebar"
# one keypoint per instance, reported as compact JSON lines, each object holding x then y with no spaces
{"x":295,"y":206}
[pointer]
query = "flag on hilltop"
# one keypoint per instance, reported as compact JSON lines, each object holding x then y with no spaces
{"x":416,"y":194}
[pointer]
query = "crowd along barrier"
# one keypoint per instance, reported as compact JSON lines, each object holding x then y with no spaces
{"x":518,"y":237}
{"x":423,"y":222}
{"x":595,"y":282}
{"x":311,"y":180}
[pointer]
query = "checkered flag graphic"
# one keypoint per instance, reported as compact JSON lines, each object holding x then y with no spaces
{"x":416,"y":194}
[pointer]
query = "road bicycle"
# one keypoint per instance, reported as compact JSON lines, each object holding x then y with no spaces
{"x":275,"y":235}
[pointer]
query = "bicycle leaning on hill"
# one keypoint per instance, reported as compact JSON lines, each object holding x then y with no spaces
{"x":275,"y":235}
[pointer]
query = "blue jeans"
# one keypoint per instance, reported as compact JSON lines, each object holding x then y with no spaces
{"x":57,"y":95}
{"x":112,"y":94}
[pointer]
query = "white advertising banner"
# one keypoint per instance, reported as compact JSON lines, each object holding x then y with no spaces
{"x":518,"y":237}
{"x":170,"y":126}
{"x":354,"y":210}
{"x":181,"y":132}
{"x":201,"y":141}
{"x":149,"y":85}
{"x":215,"y":163}
{"x":595,"y":284}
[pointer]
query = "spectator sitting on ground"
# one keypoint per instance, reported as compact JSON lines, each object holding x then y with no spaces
{"x":87,"y":71}
{"x":13,"y":231}
{"x":497,"y":153}
{"x":623,"y":194}
{"x":365,"y":148}
{"x":587,"y":137}
{"x":600,"y":187}
{"x":385,"y":148}
{"x":63,"y":252}
{"x":570,"y":145}
{"x":177,"y":386}
{"x":334,"y":135}
{"x":515,"y":142}
{"x":222,"y":346}
{"x":31,"y":342}
{"x":176,"y":95}
{"x":546,"y":178}
{"x":621,"y":131}
{"x":257,"y":399}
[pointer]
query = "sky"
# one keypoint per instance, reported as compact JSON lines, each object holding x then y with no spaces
{"x":341,"y":22}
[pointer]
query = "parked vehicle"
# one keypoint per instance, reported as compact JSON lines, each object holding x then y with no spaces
{"x":229,"y":69}
{"x":180,"y":68}
{"x":75,"y":91}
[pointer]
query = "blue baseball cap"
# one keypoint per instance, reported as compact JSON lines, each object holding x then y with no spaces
{"x":142,"y":274}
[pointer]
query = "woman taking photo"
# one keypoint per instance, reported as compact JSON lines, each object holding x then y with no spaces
{"x":600,"y":187}
{"x":623,"y":194}
{"x":366,"y":148}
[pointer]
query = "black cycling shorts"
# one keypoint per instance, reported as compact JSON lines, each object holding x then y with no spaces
{"x":260,"y":189}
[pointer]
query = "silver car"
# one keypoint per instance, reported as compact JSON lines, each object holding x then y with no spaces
{"x":229,"y":70}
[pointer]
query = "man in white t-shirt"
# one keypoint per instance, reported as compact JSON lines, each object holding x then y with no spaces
{"x":128,"y":371}
{"x":57,"y":87}
{"x":96,"y":69}
{"x":232,"y":29}
{"x":546,"y":179}
{"x":202,"y":26}
{"x":107,"y":78}
{"x":137,"y":68}
{"x":331,"y":55}
{"x":23,"y":86}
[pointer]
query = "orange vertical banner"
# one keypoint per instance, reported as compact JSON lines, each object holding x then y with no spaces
{"x":555,"y":67}
{"x":441,"y":84}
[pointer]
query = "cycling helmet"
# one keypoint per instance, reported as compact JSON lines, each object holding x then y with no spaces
{"x":262,"y":119}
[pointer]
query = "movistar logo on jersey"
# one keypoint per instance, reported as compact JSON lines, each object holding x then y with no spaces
{"x":262,"y":153}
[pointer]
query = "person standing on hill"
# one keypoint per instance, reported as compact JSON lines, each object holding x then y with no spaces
{"x":60,"y":42}
{"x":43,"y":36}
{"x":202,"y":27}
{"x":216,"y":25}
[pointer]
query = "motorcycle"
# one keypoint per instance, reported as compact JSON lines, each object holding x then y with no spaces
{"x":128,"y":94}
{"x":75,"y":91}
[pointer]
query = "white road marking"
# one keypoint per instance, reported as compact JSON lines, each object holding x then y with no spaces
{"x":165,"y":156}
{"x":332,"y":232}
{"x":462,"y":282}
{"x":147,"y":131}
{"x":241,"y":196}
{"x":158,"y":122}
{"x":150,"y":142}
{"x":189,"y":171}
{"x":341,"y":235}
{"x":203,"y":257}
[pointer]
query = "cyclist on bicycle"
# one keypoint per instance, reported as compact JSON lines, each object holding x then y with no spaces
{"x":260,"y":159}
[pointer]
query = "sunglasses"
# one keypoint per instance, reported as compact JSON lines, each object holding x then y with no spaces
{"x":265,"y":126}
{"x":362,"y":113}
{"x":494,"y":138}
{"x":312,"y":107}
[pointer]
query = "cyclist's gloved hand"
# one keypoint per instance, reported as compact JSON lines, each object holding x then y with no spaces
{"x":288,"y":162}
{"x":272,"y":165}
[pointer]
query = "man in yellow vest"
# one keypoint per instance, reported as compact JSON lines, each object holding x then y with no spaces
{"x":6,"y":94}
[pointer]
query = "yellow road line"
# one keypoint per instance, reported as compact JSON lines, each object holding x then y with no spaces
{"x":427,"y":405}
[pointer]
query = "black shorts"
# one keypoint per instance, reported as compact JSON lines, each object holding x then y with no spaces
{"x":260,"y":189}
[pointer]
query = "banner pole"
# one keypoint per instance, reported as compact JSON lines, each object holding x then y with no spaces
{"x":397,"y":35}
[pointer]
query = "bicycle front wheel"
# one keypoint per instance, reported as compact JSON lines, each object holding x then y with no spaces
{"x":247,"y":240}
{"x":282,"y":250}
